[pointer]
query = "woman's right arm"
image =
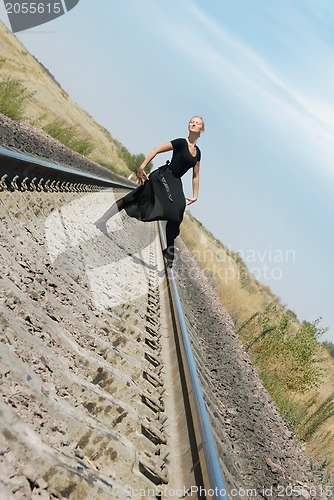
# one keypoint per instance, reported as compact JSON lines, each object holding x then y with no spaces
{"x":163,"y":148}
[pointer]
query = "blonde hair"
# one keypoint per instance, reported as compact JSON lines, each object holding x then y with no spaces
{"x":197,"y":116}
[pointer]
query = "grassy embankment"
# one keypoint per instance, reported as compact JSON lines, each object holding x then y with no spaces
{"x":30,"y":92}
{"x":294,"y":366}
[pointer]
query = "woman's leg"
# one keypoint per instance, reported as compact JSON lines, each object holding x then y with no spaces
{"x":172,"y":231}
{"x":101,"y":223}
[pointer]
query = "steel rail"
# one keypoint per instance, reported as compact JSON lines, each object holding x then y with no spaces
{"x":215,"y":476}
{"x":28,"y":165}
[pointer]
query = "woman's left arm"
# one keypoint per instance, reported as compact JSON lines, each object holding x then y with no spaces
{"x":189,"y":201}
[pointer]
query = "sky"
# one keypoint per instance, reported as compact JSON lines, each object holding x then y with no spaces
{"x":261,"y":74}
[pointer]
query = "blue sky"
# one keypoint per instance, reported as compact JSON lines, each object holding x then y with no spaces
{"x":261,"y":73}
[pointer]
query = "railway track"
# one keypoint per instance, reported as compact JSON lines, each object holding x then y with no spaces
{"x":99,"y":394}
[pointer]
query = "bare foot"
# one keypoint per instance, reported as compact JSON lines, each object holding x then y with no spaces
{"x":101,"y":226}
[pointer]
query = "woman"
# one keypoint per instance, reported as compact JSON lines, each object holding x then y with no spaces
{"x":160,"y":197}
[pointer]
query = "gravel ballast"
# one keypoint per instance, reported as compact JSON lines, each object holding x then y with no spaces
{"x":255,"y":446}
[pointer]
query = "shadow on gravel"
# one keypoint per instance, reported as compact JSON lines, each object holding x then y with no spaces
{"x":116,"y":266}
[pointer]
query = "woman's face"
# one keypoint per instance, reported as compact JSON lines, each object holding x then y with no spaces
{"x":196,"y":124}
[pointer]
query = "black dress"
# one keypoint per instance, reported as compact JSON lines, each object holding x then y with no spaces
{"x":161,"y":197}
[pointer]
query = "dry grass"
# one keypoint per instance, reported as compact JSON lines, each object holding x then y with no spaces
{"x":241,"y":295}
{"x":50,"y":102}
{"x":321,"y":444}
{"x":243,"y":298}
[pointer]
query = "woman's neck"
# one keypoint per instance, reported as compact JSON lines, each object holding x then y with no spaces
{"x":192,"y":138}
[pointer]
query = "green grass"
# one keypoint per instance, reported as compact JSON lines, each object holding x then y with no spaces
{"x":13,"y":96}
{"x":319,"y":416}
{"x":292,"y":412}
{"x":69,"y":136}
{"x":132,"y":161}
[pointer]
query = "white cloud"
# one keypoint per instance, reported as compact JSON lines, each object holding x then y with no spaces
{"x":254,"y":81}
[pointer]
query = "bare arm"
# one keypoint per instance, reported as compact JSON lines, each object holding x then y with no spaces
{"x":195,"y":184}
{"x":163,"y":148}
